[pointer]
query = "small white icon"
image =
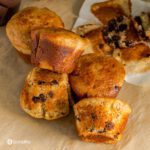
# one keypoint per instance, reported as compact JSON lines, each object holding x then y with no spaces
{"x":9,"y":141}
{"x":14,"y":142}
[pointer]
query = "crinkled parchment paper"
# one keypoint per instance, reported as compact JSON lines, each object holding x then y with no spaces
{"x":18,"y":131}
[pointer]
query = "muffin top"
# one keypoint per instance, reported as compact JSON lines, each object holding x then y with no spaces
{"x":97,"y":76}
{"x":20,"y":25}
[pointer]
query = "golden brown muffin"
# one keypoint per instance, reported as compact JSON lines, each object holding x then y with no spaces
{"x":56,"y":49}
{"x":45,"y":94}
{"x":142,"y":25}
{"x":136,"y":58}
{"x":110,"y":9}
{"x":20,"y":25}
{"x":101,"y":119}
{"x":97,"y":76}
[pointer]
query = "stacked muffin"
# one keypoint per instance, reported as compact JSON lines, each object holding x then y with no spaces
{"x":39,"y":36}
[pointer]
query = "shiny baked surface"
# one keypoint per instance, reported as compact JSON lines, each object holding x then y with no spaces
{"x":45,"y":94}
{"x":56,"y":49}
{"x":97,"y":76}
{"x":101,"y":119}
{"x":20,"y":25}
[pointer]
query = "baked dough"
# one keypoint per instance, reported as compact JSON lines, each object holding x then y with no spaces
{"x":101,"y":119}
{"x":56,"y":49}
{"x":97,"y":76}
{"x":110,"y":9}
{"x":45,"y":94}
{"x":98,"y":43}
{"x":136,"y":59}
{"x":115,"y":32}
{"x":20,"y":25}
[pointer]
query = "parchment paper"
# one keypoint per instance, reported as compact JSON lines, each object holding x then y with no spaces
{"x":18,"y":131}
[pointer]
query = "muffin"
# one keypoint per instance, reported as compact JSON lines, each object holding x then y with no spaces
{"x":45,"y":94}
{"x":110,"y":9}
{"x":97,"y":76}
{"x":101,"y":119}
{"x":56,"y":49}
{"x":136,"y":59}
{"x":19,"y":27}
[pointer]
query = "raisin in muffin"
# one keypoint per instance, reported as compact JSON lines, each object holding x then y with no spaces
{"x":20,"y":25}
{"x":56,"y":49}
{"x":111,"y":9}
{"x":97,"y":76}
{"x":101,"y":119}
{"x":45,"y":94}
{"x":136,"y":59}
{"x":142,"y":25}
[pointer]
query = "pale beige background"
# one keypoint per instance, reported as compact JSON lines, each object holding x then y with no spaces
{"x":59,"y":134}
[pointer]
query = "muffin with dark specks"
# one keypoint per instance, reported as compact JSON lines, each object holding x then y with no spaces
{"x":101,"y":119}
{"x":45,"y":94}
{"x":97,"y":76}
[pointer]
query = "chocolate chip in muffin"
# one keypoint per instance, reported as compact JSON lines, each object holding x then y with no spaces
{"x":116,"y":88}
{"x":147,"y":55}
{"x":91,"y":129}
{"x":128,"y":43}
{"x":108,"y":40}
{"x":35,"y":99}
{"x":116,"y":29}
{"x":116,"y":135}
{"x":111,"y":25}
{"x":77,"y":118}
{"x":40,"y":98}
{"x":54,"y":82}
{"x":138,"y":20}
{"x":83,"y":36}
{"x":101,"y":131}
{"x":41,"y":82}
{"x":120,"y":19}
{"x":75,"y":74}
{"x":101,"y":45}
{"x":51,"y":94}
{"x":63,"y":113}
{"x":116,"y":44}
{"x":105,"y":32}
{"x":94,"y":117}
{"x":109,"y":125}
{"x":123,"y":27}
{"x":142,"y":34}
